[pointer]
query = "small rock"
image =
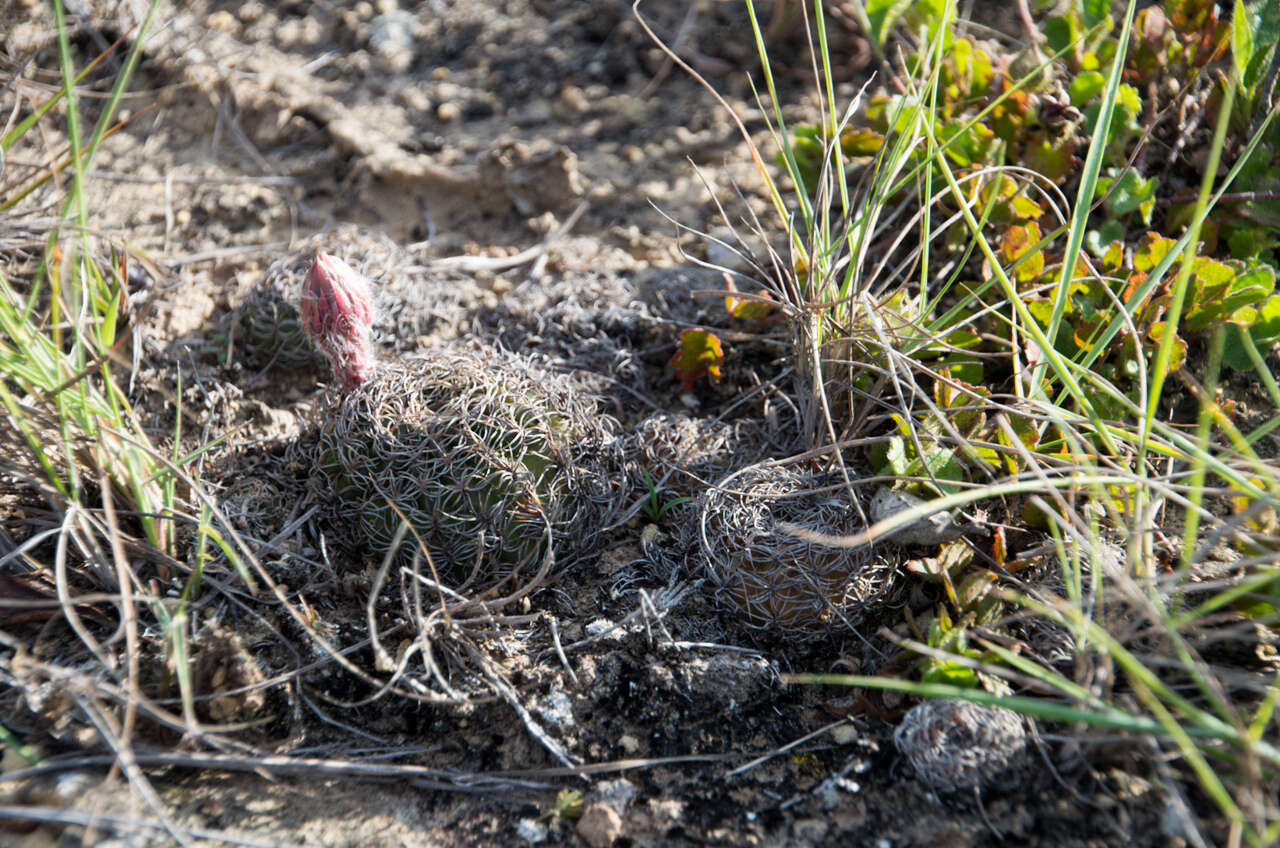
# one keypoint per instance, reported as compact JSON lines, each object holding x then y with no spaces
{"x":557,"y":709}
{"x":812,"y":831}
{"x":629,"y":743}
{"x":251,"y":12}
{"x":222,"y":21}
{"x":601,"y":626}
{"x":531,"y":831}
{"x":932,"y":529}
{"x":845,"y":734}
{"x":600,"y":825}
{"x":574,"y":98}
{"x":615,"y":793}
{"x":536,"y":178}
{"x":448,"y":111}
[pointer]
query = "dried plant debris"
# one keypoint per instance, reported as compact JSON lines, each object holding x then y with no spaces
{"x":484,"y":456}
{"x":410,"y":300}
{"x":227,"y":676}
{"x":703,"y":447}
{"x":771,"y":580}
{"x":592,"y":323}
{"x":955,"y":744}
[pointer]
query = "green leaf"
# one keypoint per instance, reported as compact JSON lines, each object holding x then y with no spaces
{"x":894,"y":460}
{"x":1250,"y":287}
{"x":1061,"y":31}
{"x":952,"y":674}
{"x":945,"y":468}
{"x":1085,"y":87}
{"x":967,"y":146}
{"x":861,"y":143}
{"x":1054,"y":159}
{"x":1234,"y":355}
{"x":1099,"y":241}
{"x":1095,"y":12}
{"x":963,"y":367}
{"x":1179,"y":355}
{"x":1131,"y":194}
{"x":1267,"y":329}
{"x":1265,"y":30}
{"x":882,"y":15}
{"x":1241,"y":39}
{"x":1150,"y":251}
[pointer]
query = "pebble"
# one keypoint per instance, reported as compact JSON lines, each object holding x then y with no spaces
{"x":391,"y":39}
{"x":615,"y":793}
{"x":557,"y":709}
{"x":931,"y":530}
{"x":600,"y":825}
{"x":222,"y":21}
{"x":604,"y":625}
{"x":531,"y":831}
{"x":845,"y":734}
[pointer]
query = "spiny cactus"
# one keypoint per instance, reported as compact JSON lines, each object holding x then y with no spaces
{"x":410,"y":300}
{"x":271,"y":334}
{"x":772,"y":580}
{"x":483,"y":460}
{"x":954,"y":744}
{"x":487,"y":460}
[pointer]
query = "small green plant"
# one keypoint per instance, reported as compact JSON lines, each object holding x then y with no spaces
{"x":698,"y":354}
{"x":655,"y":508}
{"x":569,"y":804}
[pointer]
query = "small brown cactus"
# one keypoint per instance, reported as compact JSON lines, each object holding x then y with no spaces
{"x":771,"y":580}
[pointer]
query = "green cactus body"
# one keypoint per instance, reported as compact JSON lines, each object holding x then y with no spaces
{"x":485,"y":462}
{"x":271,"y":332}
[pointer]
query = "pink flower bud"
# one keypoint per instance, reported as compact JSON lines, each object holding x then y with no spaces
{"x":337,"y":313}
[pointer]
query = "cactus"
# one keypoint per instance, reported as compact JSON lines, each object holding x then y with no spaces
{"x":774,"y":581}
{"x":337,"y":313}
{"x":484,"y":461}
{"x":954,"y":745}
{"x":271,"y":333}
{"x":487,"y":460}
{"x":269,"y":329}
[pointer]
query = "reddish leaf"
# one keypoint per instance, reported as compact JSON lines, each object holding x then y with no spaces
{"x":750,"y":310}
{"x":1054,"y":159}
{"x":698,"y":354}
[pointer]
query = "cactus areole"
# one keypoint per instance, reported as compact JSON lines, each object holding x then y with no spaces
{"x":337,"y":313}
